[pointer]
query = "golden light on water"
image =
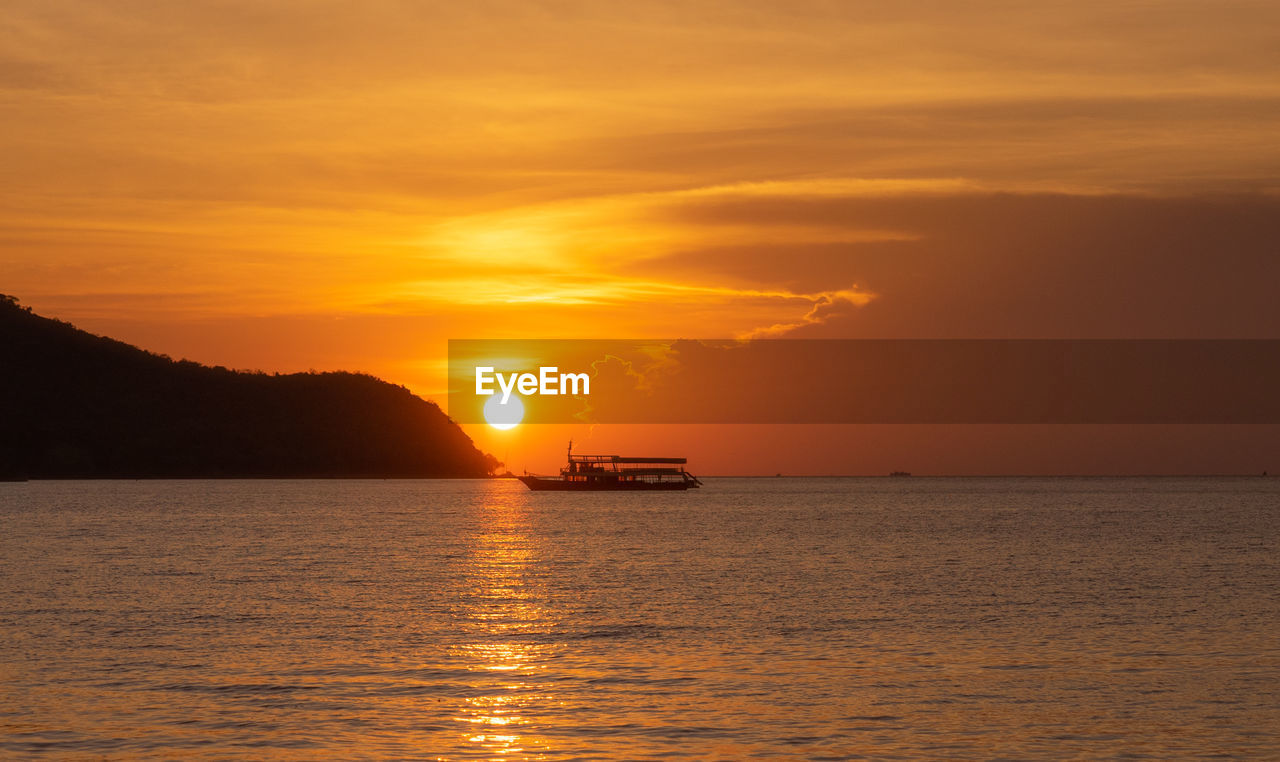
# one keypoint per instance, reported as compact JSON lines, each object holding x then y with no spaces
{"x":503,"y":617}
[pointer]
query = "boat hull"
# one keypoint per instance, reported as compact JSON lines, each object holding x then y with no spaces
{"x":543,"y":483}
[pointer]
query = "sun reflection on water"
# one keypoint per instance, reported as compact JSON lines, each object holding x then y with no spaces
{"x":502,"y":615}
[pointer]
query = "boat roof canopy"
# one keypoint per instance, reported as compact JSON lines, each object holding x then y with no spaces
{"x":621,"y":459}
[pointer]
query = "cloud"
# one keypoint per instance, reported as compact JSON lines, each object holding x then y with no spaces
{"x":1027,"y":265}
{"x":541,"y":161}
{"x":834,"y":305}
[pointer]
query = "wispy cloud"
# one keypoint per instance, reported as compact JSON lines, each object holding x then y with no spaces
{"x":978,"y":168}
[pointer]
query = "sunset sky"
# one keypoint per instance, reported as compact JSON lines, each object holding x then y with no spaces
{"x":306,"y":185}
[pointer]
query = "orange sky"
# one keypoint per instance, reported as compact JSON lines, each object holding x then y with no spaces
{"x":287,"y":186}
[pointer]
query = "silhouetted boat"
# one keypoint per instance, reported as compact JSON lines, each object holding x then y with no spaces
{"x":615,"y":472}
{"x":899,"y":473}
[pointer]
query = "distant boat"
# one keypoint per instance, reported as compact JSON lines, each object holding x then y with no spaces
{"x":615,"y":472}
{"x":899,"y":473}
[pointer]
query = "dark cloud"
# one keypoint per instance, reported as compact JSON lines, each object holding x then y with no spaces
{"x":1196,"y":140}
{"x":1005,"y":265}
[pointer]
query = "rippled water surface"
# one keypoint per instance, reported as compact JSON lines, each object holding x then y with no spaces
{"x":798,"y":618}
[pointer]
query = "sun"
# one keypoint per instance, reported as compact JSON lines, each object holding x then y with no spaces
{"x":503,"y":417}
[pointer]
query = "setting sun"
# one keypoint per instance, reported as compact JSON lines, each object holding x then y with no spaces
{"x":503,"y":416}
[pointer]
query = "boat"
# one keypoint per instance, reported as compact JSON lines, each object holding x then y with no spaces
{"x":615,"y":472}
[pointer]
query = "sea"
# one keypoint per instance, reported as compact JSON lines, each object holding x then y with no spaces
{"x":787,"y":618}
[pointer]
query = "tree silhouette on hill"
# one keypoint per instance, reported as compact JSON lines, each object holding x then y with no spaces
{"x":76,"y":405}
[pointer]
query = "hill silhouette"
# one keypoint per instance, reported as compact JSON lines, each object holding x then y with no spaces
{"x":76,"y":405}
